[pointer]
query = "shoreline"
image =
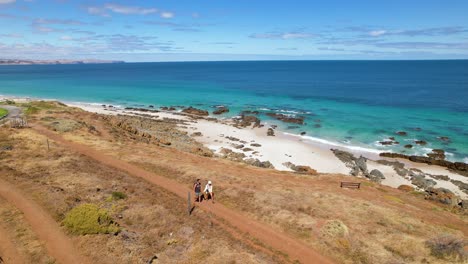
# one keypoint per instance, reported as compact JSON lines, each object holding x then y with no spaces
{"x":219,"y":134}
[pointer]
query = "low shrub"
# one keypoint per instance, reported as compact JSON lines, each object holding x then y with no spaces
{"x":89,"y":219}
{"x":448,"y":247}
{"x":118,"y":195}
{"x":334,"y":228}
{"x":3,"y":112}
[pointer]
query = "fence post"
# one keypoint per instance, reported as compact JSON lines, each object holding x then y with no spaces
{"x":48,"y":147}
{"x":189,"y":203}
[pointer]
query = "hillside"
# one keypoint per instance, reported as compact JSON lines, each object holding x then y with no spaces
{"x":66,"y":158}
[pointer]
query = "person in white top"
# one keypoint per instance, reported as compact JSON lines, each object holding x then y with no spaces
{"x":209,"y":190}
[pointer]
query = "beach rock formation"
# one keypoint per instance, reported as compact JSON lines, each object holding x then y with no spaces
{"x":271,"y":132}
{"x":255,"y":145}
{"x":195,"y":111}
{"x":248,"y":120}
{"x":376,"y":176}
{"x":458,"y":167}
{"x":406,"y":188}
{"x":423,"y":183}
{"x":287,"y":119}
{"x":442,"y":195}
{"x":401,"y":133}
{"x":362,"y":165}
{"x":300,"y":168}
{"x":221,"y":110}
{"x":197,"y":134}
{"x":437,"y":154}
{"x":165,"y":108}
{"x":408,"y":146}
{"x":258,"y":163}
{"x":144,"y":110}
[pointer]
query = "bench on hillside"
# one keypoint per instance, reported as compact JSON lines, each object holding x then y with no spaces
{"x":351,"y":185}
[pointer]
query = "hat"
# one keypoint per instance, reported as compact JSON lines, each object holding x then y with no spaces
{"x":209,"y":182}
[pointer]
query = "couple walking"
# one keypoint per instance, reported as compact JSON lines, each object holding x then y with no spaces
{"x":207,"y":192}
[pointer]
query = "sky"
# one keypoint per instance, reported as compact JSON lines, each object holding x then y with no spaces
{"x":198,"y":30}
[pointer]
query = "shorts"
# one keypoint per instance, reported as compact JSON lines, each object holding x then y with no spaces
{"x":197,"y":194}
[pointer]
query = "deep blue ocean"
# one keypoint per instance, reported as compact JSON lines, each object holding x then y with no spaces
{"x":354,"y":103}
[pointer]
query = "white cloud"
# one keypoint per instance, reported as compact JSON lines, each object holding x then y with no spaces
{"x":167,"y":15}
{"x":120,"y":9}
{"x":295,"y":35}
{"x":377,"y":33}
{"x":130,"y":10}
{"x":66,"y":38}
{"x":7,"y":1}
{"x":286,"y":35}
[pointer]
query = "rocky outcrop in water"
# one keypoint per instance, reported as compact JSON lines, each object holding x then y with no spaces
{"x":287,"y":119}
{"x":221,"y":110}
{"x":248,"y":120}
{"x":437,"y":154}
{"x":144,"y":110}
{"x":195,"y":111}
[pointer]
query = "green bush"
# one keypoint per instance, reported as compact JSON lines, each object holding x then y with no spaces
{"x":3,"y":112}
{"x":89,"y":219}
{"x":118,"y":195}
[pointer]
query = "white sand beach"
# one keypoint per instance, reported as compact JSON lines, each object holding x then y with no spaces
{"x":283,"y":147}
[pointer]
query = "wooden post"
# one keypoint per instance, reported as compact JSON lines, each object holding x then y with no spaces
{"x":189,"y":203}
{"x":48,"y":146}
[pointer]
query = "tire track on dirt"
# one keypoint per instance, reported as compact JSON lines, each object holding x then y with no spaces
{"x":279,"y":241}
{"x":58,"y":245}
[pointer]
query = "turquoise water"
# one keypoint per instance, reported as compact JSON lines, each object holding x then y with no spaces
{"x":356,"y":103}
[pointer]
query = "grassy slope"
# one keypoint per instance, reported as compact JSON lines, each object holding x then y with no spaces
{"x":3,"y":112}
{"x":376,"y":224}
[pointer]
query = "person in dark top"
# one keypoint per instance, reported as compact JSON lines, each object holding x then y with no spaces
{"x":197,"y":190}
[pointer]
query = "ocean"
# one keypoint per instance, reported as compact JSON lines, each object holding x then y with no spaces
{"x":350,"y":103}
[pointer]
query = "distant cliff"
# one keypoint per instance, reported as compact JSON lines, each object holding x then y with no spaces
{"x":35,"y":62}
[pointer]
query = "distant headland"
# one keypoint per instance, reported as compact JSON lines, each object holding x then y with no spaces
{"x":59,"y":61}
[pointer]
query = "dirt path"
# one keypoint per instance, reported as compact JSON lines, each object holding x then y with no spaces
{"x":58,"y":244}
{"x":8,"y":252}
{"x":277,"y":240}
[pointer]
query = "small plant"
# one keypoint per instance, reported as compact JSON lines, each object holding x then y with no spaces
{"x":118,"y":196}
{"x":3,"y":112}
{"x":393,"y":199}
{"x":448,"y":247}
{"x":31,"y":110}
{"x":334,"y":228}
{"x":89,"y":219}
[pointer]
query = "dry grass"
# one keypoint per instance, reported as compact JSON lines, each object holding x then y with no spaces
{"x":376,"y":217}
{"x":150,"y":217}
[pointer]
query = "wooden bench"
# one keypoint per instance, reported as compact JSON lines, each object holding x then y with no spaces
{"x":351,"y":185}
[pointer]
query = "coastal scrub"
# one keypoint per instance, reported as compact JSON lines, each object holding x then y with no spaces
{"x":3,"y":112}
{"x":89,"y":219}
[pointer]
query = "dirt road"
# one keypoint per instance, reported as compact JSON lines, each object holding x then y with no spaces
{"x":58,"y":245}
{"x":279,"y":241}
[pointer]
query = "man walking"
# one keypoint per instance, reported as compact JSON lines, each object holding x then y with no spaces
{"x":209,"y":190}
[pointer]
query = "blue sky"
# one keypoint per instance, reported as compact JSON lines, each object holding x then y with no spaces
{"x":174,"y":30}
